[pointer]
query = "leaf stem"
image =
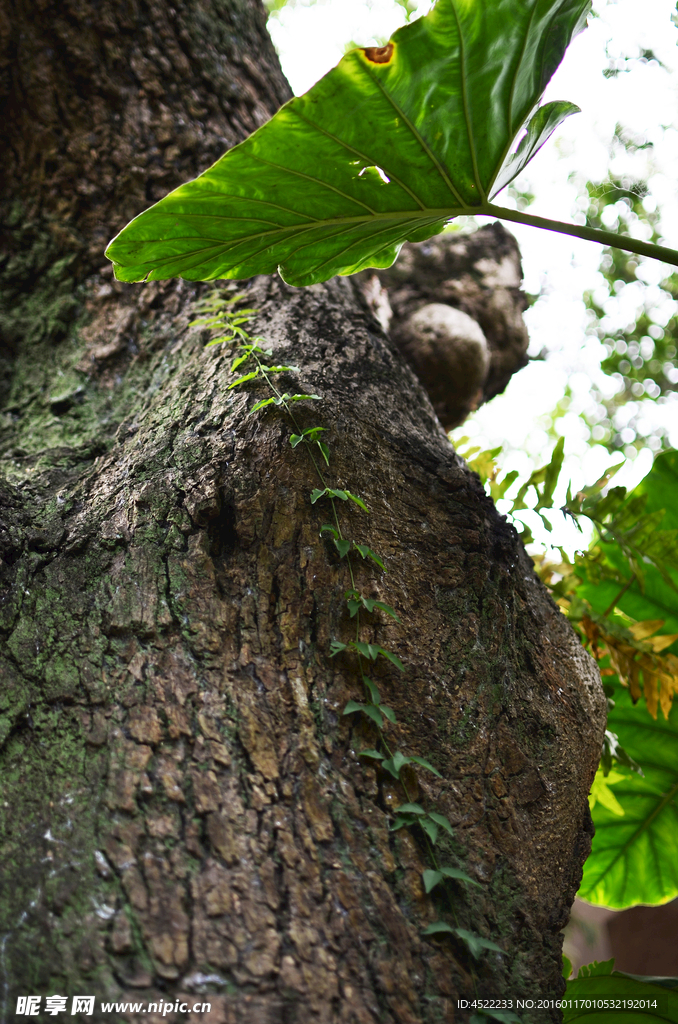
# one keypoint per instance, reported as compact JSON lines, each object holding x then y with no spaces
{"x":617,"y":599}
{"x":655,"y":252}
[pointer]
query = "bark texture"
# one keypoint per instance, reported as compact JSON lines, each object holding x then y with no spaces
{"x":183,"y":807}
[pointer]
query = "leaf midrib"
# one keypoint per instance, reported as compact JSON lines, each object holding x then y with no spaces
{"x":511,"y":133}
{"x":465,"y":104}
{"x":418,"y":136}
{"x":418,"y":216}
{"x":356,"y":152}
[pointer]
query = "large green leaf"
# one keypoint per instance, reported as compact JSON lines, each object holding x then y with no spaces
{"x":601,"y":995}
{"x":656,"y":598}
{"x":634,"y":858}
{"x":387,"y":147}
{"x":661,"y":487}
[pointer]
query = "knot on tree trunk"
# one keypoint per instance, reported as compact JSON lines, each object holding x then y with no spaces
{"x":454,"y":307}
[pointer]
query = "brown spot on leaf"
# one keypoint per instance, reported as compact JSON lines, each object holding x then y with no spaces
{"x":379,"y":54}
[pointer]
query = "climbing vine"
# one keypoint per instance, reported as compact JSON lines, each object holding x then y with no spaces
{"x":222,"y":311}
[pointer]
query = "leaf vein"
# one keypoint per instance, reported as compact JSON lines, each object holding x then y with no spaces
{"x":363,"y":156}
{"x":420,"y":139}
{"x":317,"y":181}
{"x":464,"y":94}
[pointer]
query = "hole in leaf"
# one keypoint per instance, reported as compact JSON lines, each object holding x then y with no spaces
{"x":376,"y":170}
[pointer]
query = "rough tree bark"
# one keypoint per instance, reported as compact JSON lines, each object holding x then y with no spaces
{"x":183,"y":808}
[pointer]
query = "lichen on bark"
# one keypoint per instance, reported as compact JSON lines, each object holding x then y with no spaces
{"x":183,"y":809}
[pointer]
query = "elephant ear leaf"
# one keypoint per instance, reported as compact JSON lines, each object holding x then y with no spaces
{"x":388,"y":147}
{"x":539,"y":129}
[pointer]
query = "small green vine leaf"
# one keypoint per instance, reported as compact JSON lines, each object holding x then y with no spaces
{"x":337,"y":648}
{"x":386,"y":608}
{"x":460,"y":876}
{"x":357,"y":500}
{"x":411,"y":809}
{"x":362,"y":648}
{"x":255,"y":345}
{"x":207,"y":321}
{"x":431,"y":879}
{"x":236,"y":362}
{"x":309,"y":435}
{"x":476,"y":943}
{"x":430,"y":828}
{"x":371,"y":753}
{"x":441,"y":820}
{"x":393,"y":658}
{"x":425,"y":764}
{"x":375,"y":696}
{"x":353,"y":606}
{"x":303,"y":398}
{"x":262,"y":403}
{"x":388,"y":713}
{"x":370,"y":651}
{"x":366,"y":552}
{"x":437,"y":927}
{"x":370,"y":710}
{"x":326,"y":527}
{"x":241,"y":380}
{"x":316,"y":494}
{"x":283,"y":369}
{"x":342,"y":546}
{"x":370,"y":603}
{"x":336,"y":494}
{"x":375,"y":714}
{"x":220,"y":341}
{"x":325,"y":451}
{"x":395,"y":763}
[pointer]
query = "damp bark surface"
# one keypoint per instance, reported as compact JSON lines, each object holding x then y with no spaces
{"x":185,"y":816}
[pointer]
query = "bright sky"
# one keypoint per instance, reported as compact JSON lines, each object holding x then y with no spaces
{"x":311,"y":37}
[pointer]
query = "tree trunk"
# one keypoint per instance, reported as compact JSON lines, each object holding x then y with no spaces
{"x":184,"y":813}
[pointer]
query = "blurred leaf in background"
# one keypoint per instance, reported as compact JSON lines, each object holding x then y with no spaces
{"x":599,"y":994}
{"x":635,"y":319}
{"x":634,"y":856}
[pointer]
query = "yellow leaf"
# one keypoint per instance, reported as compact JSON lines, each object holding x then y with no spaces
{"x":641,"y":630}
{"x":634,"y":683}
{"x":668,"y":687}
{"x":658,"y":643}
{"x":650,"y":691}
{"x":601,"y":793}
